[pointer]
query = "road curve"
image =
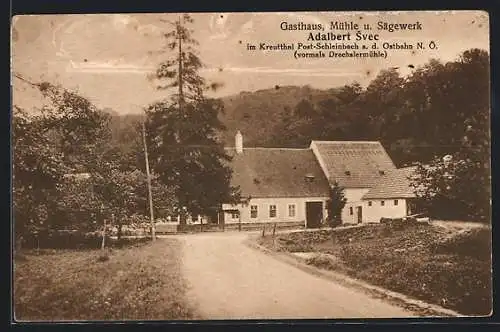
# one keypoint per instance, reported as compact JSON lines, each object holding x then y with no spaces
{"x":229,"y":280}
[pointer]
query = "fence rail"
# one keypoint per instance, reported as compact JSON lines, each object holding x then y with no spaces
{"x":196,"y":228}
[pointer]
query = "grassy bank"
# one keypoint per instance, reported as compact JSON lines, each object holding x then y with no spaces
{"x":446,"y":267}
{"x":138,"y":282}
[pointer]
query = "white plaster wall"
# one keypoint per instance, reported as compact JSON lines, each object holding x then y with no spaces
{"x":281,"y":209}
{"x":389,"y":210}
{"x":353,"y":196}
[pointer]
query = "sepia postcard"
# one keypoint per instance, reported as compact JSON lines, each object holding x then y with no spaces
{"x":251,"y":166}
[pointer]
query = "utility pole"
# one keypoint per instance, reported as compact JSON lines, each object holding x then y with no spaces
{"x":148,"y":175}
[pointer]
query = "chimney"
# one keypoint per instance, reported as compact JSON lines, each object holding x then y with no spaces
{"x":239,"y":142}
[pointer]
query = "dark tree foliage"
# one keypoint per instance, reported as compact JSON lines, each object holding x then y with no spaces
{"x":73,"y":124}
{"x":36,"y":171}
{"x":55,"y":141}
{"x":336,"y":204}
{"x":186,"y":154}
{"x":68,"y":172}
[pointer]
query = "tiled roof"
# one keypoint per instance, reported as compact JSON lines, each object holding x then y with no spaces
{"x":353,"y":164}
{"x":396,"y":184}
{"x":278,"y":172}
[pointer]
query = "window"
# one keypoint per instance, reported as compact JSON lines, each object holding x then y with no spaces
{"x":382,"y":203}
{"x":396,"y":202}
{"x":351,"y":211}
{"x":253,"y":211}
{"x":291,"y":210}
{"x":235,"y":215}
{"x":309,"y":177}
{"x":272,"y":211}
{"x":369,"y":203}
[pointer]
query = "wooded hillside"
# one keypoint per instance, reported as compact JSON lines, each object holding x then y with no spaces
{"x":415,"y":117}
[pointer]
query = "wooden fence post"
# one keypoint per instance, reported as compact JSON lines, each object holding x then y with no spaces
{"x":274,"y":233}
{"x":37,"y":244}
{"x":104,"y":233}
{"x":222,"y":220}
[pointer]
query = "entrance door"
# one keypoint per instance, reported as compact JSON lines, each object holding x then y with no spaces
{"x":359,"y":212}
{"x":410,"y":208}
{"x":314,"y":214}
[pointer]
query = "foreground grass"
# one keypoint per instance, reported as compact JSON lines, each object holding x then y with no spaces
{"x":137,"y":283}
{"x":423,"y":261}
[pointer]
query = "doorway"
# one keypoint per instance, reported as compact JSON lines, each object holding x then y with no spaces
{"x":314,"y":214}
{"x":359,"y":212}
{"x":410,"y":208}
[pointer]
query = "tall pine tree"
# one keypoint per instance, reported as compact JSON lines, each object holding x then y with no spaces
{"x":182,"y":129}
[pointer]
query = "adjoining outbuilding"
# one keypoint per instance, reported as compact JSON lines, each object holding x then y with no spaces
{"x":357,"y":166}
{"x":391,"y":197}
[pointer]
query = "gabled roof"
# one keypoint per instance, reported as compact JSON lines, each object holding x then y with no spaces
{"x":277,"y":172}
{"x":353,"y":164}
{"x":396,"y":184}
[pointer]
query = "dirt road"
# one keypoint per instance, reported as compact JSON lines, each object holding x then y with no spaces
{"x":229,"y":280}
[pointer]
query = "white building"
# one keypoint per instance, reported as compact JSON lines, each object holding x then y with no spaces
{"x":292,"y":185}
{"x":391,"y":197}
{"x":356,"y":166}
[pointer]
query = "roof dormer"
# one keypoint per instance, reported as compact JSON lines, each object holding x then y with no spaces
{"x":309,"y":177}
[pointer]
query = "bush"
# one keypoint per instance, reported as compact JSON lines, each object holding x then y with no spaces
{"x":62,"y":240}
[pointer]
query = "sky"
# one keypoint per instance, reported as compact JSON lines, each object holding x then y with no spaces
{"x":106,"y":57}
